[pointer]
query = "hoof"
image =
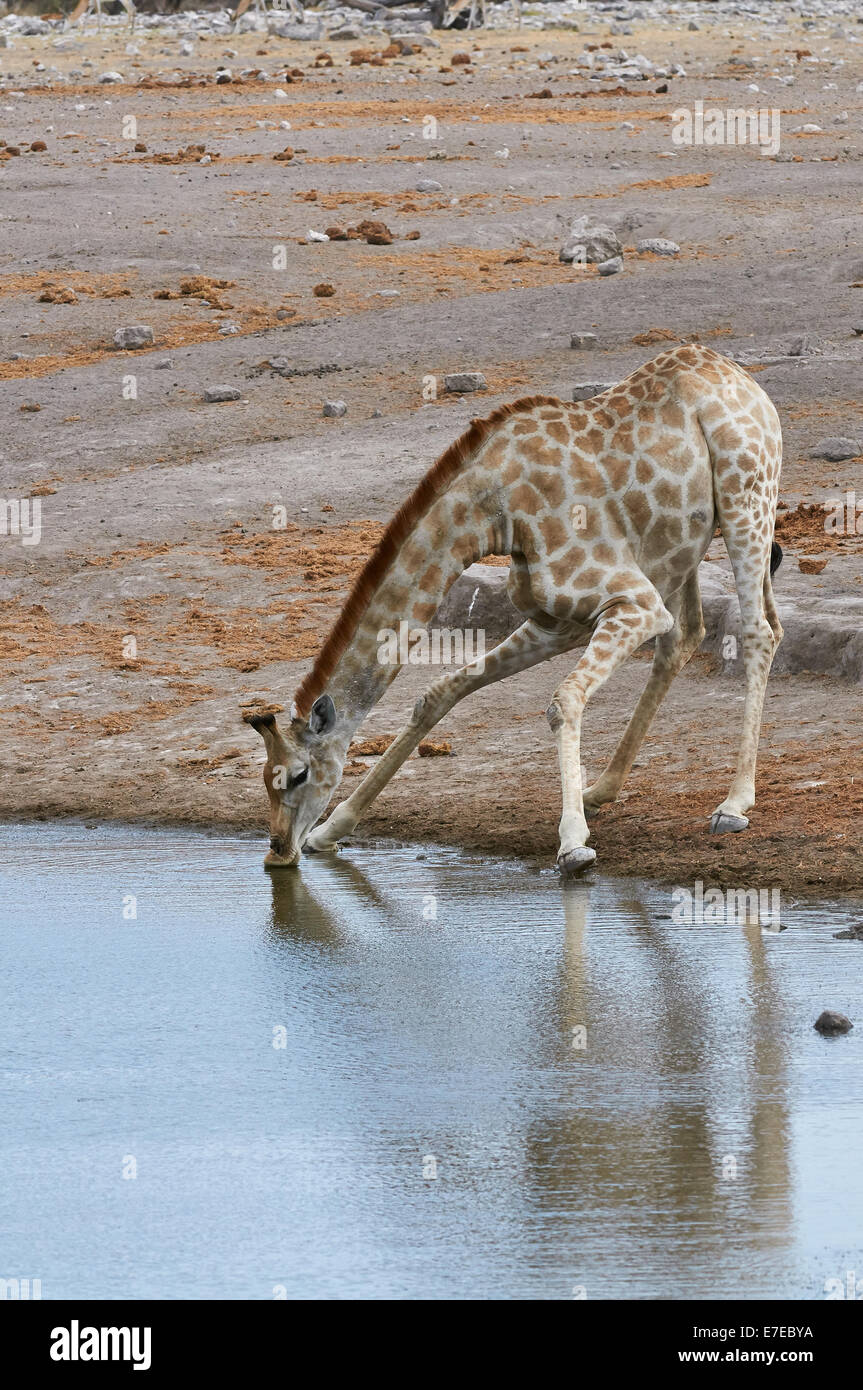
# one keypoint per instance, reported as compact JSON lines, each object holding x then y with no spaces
{"x":721,"y":823}
{"x":590,"y":811}
{"x":316,"y":844}
{"x":575,"y":861}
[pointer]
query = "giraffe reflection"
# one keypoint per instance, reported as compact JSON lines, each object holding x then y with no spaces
{"x":695,"y":1142}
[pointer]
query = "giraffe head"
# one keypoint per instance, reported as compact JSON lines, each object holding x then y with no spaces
{"x":303,"y":769}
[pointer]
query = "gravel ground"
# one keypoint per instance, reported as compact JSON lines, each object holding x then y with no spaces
{"x":161,"y":596}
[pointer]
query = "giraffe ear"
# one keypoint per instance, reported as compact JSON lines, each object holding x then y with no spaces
{"x":322,"y":717}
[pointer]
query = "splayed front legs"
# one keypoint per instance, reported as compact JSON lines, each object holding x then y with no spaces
{"x":526,"y":647}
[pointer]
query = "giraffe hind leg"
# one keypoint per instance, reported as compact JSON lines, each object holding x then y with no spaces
{"x":750,"y":552}
{"x":673,"y":649}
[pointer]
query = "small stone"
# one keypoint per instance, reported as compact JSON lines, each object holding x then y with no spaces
{"x":830,"y":1021}
{"x":585,"y":342}
{"x":134,"y":335}
{"x":112,"y":77}
{"x":591,"y":245}
{"x":658,"y":246}
{"x":165,"y":364}
{"x":222,"y":393}
{"x":585,"y":389}
{"x":223,"y":76}
{"x":837,"y":448}
{"x":334,"y":409}
{"x":347,"y":31}
{"x":427,"y":185}
{"x":612,"y":267}
{"x":462,"y":382}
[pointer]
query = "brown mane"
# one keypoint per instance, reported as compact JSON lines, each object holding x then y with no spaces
{"x":427,"y":491}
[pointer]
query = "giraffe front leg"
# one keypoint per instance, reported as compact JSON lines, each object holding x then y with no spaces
{"x":620,"y":631}
{"x":527,"y":646}
{"x":574,"y":854}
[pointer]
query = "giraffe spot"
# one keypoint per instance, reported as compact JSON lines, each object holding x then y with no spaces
{"x":523,"y":427}
{"x":550,"y":485}
{"x":413,"y":556}
{"x":567,"y":566}
{"x":639,"y":509}
{"x":512,"y":472}
{"x":644,"y":471}
{"x":617,"y":470}
{"x":588,"y":477}
{"x":672,"y":416}
{"x":459,"y":513}
{"x":432,"y":580}
{"x":526,"y":499}
{"x":558,"y":431}
{"x":423,"y":610}
{"x":590,"y":577}
{"x":665,"y":533}
{"x":494,"y":455}
{"x":540,"y":451}
{"x":668,"y":495}
{"x":603,"y":554}
{"x":554,"y":533}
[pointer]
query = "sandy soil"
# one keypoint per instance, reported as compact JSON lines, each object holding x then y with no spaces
{"x":158,"y":509}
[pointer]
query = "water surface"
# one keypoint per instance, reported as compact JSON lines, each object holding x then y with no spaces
{"x":392,"y":1076}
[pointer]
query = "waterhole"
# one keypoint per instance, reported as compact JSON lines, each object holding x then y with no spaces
{"x":407,"y":1073}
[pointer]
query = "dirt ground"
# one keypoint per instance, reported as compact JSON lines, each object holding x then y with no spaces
{"x":165,"y":593}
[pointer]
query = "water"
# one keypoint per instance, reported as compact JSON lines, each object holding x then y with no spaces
{"x":705,"y":1142}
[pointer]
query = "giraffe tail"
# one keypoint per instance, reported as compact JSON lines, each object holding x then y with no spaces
{"x":775,"y":556}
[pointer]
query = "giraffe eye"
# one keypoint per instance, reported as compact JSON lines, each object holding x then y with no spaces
{"x":300,"y":778}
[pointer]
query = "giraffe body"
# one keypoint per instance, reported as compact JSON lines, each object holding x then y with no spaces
{"x":606,"y":507}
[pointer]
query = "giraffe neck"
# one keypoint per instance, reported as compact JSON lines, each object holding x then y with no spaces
{"x":435,"y":552}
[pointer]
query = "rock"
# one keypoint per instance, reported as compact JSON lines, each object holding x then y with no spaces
{"x":854,"y":933}
{"x":836,"y":448}
{"x":585,"y":389}
{"x":590,"y":244}
{"x":478,"y":600}
{"x":165,"y":363}
{"x":317,"y":236}
{"x":800,"y":345}
{"x":334,"y":409}
{"x":427,"y":185}
{"x":612,"y":267}
{"x":347,"y":31}
{"x":461,"y":382}
{"x":111,"y":77}
{"x":809,"y":565}
{"x":222,"y":393}
{"x":134,"y":335}
{"x":658,"y":246}
{"x":830,"y":1021}
{"x":586,"y":342}
{"x":224,"y":75}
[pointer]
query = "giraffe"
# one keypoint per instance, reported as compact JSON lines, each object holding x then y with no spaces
{"x":606,"y":507}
